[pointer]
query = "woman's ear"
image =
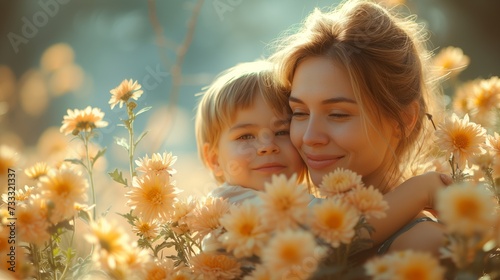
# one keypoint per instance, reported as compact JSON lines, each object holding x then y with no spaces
{"x":211,"y":158}
{"x":410,"y":117}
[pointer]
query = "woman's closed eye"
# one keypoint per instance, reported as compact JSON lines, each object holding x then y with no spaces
{"x":299,"y":115}
{"x":339,"y":115}
{"x":282,"y":133}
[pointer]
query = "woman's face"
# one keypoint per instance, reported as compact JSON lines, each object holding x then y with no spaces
{"x":327,"y":124}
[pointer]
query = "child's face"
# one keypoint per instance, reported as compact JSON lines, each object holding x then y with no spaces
{"x":254,"y":147}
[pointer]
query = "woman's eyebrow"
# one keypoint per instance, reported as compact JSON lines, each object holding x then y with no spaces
{"x":326,"y":101}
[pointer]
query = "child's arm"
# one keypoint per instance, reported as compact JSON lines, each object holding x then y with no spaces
{"x":406,"y":202}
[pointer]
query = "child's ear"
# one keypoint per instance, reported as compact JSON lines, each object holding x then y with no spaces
{"x":211,"y":158}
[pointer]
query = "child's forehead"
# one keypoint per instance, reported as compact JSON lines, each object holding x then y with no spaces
{"x":253,"y":115}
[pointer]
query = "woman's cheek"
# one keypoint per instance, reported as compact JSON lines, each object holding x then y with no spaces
{"x":296,"y":133}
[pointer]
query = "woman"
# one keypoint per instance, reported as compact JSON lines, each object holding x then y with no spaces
{"x":359,"y":96}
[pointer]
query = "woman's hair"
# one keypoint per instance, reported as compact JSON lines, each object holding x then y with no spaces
{"x":385,"y":56}
{"x":235,"y":89}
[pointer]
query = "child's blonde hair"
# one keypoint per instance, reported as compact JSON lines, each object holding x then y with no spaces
{"x":233,"y":90}
{"x":385,"y":57}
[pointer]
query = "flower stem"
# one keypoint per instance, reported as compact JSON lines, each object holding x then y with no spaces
{"x":36,"y":261}
{"x":131,"y":148}
{"x":89,"y":171}
{"x":68,"y":259}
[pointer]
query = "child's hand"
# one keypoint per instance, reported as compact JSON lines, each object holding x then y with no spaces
{"x":434,"y":181}
{"x":446,"y":179}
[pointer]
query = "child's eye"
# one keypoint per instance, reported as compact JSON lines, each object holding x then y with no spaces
{"x":245,"y":137}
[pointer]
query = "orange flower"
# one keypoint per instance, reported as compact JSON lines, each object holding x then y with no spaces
{"x":63,"y":188}
{"x":466,"y":209}
{"x":36,"y":171}
{"x":245,"y":234}
{"x":152,"y":197}
{"x":157,"y":164}
{"x":369,"y":201}
{"x":122,"y":93}
{"x":339,"y":181}
{"x":461,"y":138}
{"x":82,"y":120}
{"x":451,"y":60}
{"x":334,"y":221}
{"x":214,"y":266}
{"x":284,"y":202}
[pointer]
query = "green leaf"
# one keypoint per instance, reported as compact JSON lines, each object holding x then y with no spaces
{"x":117,"y":176}
{"x":75,"y":161}
{"x":99,"y":154}
{"x":140,"y":138}
{"x":122,"y":142}
{"x":161,"y":246}
{"x":143,"y":110}
{"x":105,"y":213}
{"x":130,"y":217}
{"x":85,"y":216}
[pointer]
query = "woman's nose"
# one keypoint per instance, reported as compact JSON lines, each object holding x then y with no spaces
{"x":315,"y":133}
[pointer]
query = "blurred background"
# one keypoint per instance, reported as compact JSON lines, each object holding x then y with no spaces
{"x":66,"y":54}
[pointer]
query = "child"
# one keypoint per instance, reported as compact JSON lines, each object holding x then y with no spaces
{"x":242,"y":132}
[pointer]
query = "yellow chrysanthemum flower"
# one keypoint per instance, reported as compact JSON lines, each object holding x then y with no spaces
{"x":152,"y":196}
{"x":462,"y":98}
{"x":245,"y":234}
{"x":32,"y":225}
{"x":122,"y":93}
{"x":183,"y":208}
{"x":412,"y":265}
{"x":215,"y":266}
{"x":205,"y":218}
{"x":405,"y":265}
{"x":284,"y":202}
{"x":259,"y":273}
{"x":339,"y":181}
{"x":158,"y":270}
{"x":369,"y":201}
{"x":111,"y":244}
{"x":461,"y":138}
{"x":380,"y":268}
{"x":63,"y":188}
{"x":36,"y":171}
{"x":466,"y":209}
{"x":146,"y":229}
{"x":21,"y":195}
{"x":82,"y":120}
{"x":493,"y":142}
{"x":484,"y":100}
{"x":451,"y":60}
{"x":292,"y":253}
{"x":157,"y":164}
{"x":334,"y":220}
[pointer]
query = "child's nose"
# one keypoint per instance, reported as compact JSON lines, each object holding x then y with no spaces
{"x":268,"y":148}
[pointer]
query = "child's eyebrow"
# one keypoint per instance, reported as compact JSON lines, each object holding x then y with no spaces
{"x":281,"y":122}
{"x":277,"y":123}
{"x":242,"y":126}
